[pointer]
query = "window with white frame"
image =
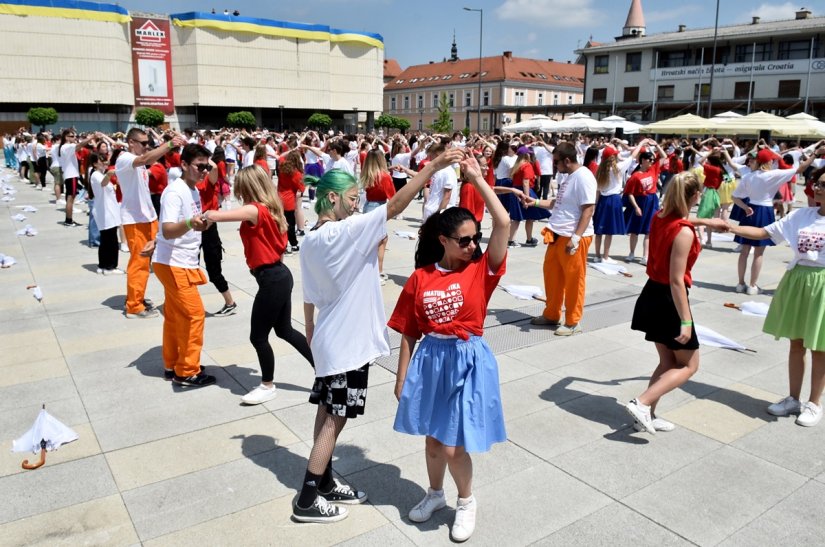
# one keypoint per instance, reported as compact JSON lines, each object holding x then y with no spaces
{"x":435,"y":100}
{"x":519,"y":98}
{"x":555,"y":98}
{"x":406,"y":102}
{"x":451,"y":100}
{"x":486,"y":100}
{"x":541,"y":99}
{"x":420,"y":101}
{"x":570,"y":99}
{"x":468,"y":98}
{"x":392,"y":104}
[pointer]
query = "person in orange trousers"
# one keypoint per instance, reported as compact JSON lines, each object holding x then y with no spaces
{"x":138,"y":215}
{"x":568,"y":234}
{"x":177,"y":265}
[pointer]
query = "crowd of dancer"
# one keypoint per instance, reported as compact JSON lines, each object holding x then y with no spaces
{"x":163,"y":195}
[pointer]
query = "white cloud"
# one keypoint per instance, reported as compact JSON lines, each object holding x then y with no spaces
{"x":774,"y":12}
{"x":550,"y":13}
{"x":667,"y":15}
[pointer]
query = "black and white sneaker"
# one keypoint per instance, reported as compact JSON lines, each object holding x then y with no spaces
{"x":343,"y":493}
{"x":148,"y":303}
{"x":227,"y":310}
{"x":72,"y":224}
{"x":168,"y":374}
{"x":196,"y":380}
{"x":321,"y":511}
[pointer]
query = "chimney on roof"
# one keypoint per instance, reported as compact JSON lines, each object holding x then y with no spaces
{"x":803,"y":13}
{"x":432,"y":62}
{"x":568,"y":61}
{"x":550,"y":59}
{"x":682,"y":28}
{"x":755,"y":20}
{"x":508,"y":54}
{"x":634,"y":26}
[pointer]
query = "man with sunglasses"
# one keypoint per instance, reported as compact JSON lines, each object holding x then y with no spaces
{"x":177,"y":266}
{"x":138,"y":215}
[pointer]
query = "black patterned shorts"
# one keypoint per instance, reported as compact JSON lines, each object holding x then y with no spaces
{"x":343,"y":394}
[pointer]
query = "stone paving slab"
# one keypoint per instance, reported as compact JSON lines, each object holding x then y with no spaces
{"x":159,"y":466}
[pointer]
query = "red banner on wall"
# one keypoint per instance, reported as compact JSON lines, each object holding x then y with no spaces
{"x":152,"y":64}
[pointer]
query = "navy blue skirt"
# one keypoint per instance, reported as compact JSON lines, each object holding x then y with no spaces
{"x":737,"y":213}
{"x":762,"y":216}
{"x":510,"y":201}
{"x":649,"y":204}
{"x":608,"y":219}
{"x":535,"y":213}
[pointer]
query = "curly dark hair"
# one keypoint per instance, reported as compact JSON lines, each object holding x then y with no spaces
{"x":429,"y":249}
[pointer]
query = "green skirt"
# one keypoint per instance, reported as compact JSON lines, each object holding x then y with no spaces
{"x":709,"y":203}
{"x":797,"y":311}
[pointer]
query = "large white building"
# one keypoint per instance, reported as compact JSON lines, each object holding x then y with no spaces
{"x":82,"y":59}
{"x":774,"y":66}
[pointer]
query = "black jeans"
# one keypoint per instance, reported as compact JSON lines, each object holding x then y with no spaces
{"x":212,"y":256}
{"x":544,"y":186}
{"x":272,"y":309}
{"x":290,"y":230}
{"x":107,"y":252}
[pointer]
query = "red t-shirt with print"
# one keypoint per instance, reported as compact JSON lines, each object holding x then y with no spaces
{"x":641,"y":183}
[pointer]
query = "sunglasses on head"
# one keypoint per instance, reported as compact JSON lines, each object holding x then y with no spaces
{"x":466,"y":240}
{"x":203,"y":167}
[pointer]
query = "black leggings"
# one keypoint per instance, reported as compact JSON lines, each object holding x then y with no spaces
{"x":42,"y":169}
{"x":272,"y":309}
{"x":212,"y":256}
{"x":290,"y":231}
{"x":107,"y":251}
{"x":544,"y":186}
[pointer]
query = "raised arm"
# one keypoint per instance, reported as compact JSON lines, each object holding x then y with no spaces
{"x":406,"y":194}
{"x":497,"y":246}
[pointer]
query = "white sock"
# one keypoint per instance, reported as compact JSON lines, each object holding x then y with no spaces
{"x":466,"y":501}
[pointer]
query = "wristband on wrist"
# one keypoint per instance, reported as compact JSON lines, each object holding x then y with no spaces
{"x":171,"y":145}
{"x":188,"y":222}
{"x":687,"y":323}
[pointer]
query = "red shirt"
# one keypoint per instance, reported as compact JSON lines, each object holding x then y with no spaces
{"x":713,"y":176}
{"x":525,"y":172}
{"x":158,"y":178}
{"x":593,"y":166}
{"x":382,"y":190}
{"x":452,"y":303}
{"x":263,"y":164}
{"x":263,"y":243}
{"x":362,"y":157}
{"x":470,"y":199}
{"x":662,"y":233}
{"x":209,"y":194}
{"x":172,"y":159}
{"x":113,"y":182}
{"x":83,"y":158}
{"x":675,"y":165}
{"x":288,"y":185}
{"x":641,"y":183}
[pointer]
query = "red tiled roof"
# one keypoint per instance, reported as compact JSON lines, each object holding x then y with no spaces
{"x":391,"y":68}
{"x":499,"y":68}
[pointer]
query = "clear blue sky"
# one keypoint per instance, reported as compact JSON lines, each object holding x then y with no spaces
{"x":418,"y":31}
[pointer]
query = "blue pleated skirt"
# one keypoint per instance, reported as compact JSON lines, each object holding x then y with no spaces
{"x":535,"y":213}
{"x":761,"y":217}
{"x":314,"y":169}
{"x":510,"y":201}
{"x":608,"y":218}
{"x":737,"y":213}
{"x":649,"y":204}
{"x":451,"y":393}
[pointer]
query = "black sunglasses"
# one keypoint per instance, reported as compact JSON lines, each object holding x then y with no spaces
{"x":203,"y":167}
{"x":465,"y":241}
{"x":142,"y":143}
{"x":818,"y":184}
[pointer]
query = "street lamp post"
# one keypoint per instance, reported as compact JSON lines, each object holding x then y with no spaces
{"x":420,"y":119}
{"x":713,"y":64}
{"x":480,"y":35}
{"x":196,"y":114}
{"x":355,"y":119}
{"x":97,"y":105}
{"x":281,"y":108}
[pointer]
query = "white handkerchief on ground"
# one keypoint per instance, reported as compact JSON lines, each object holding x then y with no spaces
{"x":37,"y":292}
{"x":608,"y":269}
{"x":756,"y":309}
{"x":27,"y":208}
{"x":405,"y":235}
{"x":523,"y":292}
{"x":8,"y":198}
{"x":19,"y":217}
{"x":7,"y":261}
{"x":709,"y":337}
{"x":29,"y":230}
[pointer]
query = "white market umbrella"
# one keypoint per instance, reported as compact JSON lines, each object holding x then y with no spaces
{"x":47,"y":434}
{"x":802,"y":116}
{"x":536,"y":123}
{"x":581,"y":123}
{"x":686,"y":124}
{"x":628,"y":127}
{"x":752,"y":124}
{"x":807,"y":126}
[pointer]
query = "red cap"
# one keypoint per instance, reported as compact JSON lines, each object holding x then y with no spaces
{"x":765,"y":156}
{"x":608,"y":152}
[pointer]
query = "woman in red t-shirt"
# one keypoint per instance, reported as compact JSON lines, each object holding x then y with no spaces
{"x":378,"y":186}
{"x":662,"y":310}
{"x":290,"y":182}
{"x":710,"y":206}
{"x":259,"y":157}
{"x":449,"y":390}
{"x":641,"y":202}
{"x":524,"y":179}
{"x":263,"y":234}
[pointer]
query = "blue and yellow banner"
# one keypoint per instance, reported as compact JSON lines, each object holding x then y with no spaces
{"x":67,"y":9}
{"x":267,"y":27}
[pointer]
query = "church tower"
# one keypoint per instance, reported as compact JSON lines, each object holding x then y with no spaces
{"x":454,"y":50}
{"x":634,"y":27}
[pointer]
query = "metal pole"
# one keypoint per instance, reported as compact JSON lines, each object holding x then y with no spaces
{"x":808,"y":80}
{"x":750,"y":85}
{"x":281,"y":108}
{"x":655,"y":92}
{"x":699,"y":89}
{"x":713,"y":62}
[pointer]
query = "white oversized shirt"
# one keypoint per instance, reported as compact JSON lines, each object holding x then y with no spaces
{"x":179,"y":202}
{"x":136,"y":206}
{"x":576,"y":190}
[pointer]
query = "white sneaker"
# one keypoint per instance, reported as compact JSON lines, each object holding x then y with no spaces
{"x":124,"y":248}
{"x":465,"y":519}
{"x":643,"y":261}
{"x":608,"y":260}
{"x":810,"y":416}
{"x":260,"y":394}
{"x":659,"y":424}
{"x":116,"y":271}
{"x":741,"y":287}
{"x":99,"y":271}
{"x":432,"y":502}
{"x":752,"y":290}
{"x":785,"y":407}
{"x":630,"y":258}
{"x":597,"y":259}
{"x":641,"y":414}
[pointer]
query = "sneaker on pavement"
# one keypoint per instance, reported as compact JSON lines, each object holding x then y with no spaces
{"x":321,"y":511}
{"x":513,"y":244}
{"x":148,"y":303}
{"x":260,"y":394}
{"x":659,"y":424}
{"x":568,"y":330}
{"x":72,"y":224}
{"x":543,"y":321}
{"x":113,"y":271}
{"x":810,"y":416}
{"x":196,"y":380}
{"x":99,"y":271}
{"x":343,"y":493}
{"x":424,"y":509}
{"x":300,"y":233}
{"x":608,"y":260}
{"x":741,"y":287}
{"x":465,"y":519}
{"x":532,"y":242}
{"x":785,"y":407}
{"x":752,"y":290}
{"x":597,"y":259}
{"x":145,"y":314}
{"x":630,"y":258}
{"x":643,"y":261}
{"x":124,"y":248}
{"x":641,"y":414}
{"x":294,"y":248}
{"x":168,"y":374}
{"x":227,"y":310}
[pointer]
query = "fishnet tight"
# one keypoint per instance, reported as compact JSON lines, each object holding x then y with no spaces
{"x":327,"y":429}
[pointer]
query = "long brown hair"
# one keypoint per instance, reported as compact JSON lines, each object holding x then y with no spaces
{"x":253,"y":185}
{"x":681,"y":188}
{"x":290,"y":163}
{"x":374,"y":165}
{"x":607,"y":166}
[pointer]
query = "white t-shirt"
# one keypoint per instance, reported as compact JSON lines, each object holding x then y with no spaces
{"x":760,"y":186}
{"x":179,"y":202}
{"x":230,"y":151}
{"x":136,"y":206}
{"x":68,"y":161}
{"x":55,"y":156}
{"x":249,"y":158}
{"x":339,"y":271}
{"x":441,"y":181}
{"x":505,"y":166}
{"x":576,"y":190}
{"x":804,"y":230}
{"x":617,"y":180}
{"x":343,"y":164}
{"x":106,"y":209}
{"x":403,"y":160}
{"x":544,"y":158}
{"x":271,"y":160}
{"x":210,"y":145}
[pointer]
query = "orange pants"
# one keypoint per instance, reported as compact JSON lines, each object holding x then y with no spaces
{"x":564,"y":280}
{"x":183,"y":318}
{"x":137,"y":272}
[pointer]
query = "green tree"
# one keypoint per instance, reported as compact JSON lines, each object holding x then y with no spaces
{"x":42,"y":116}
{"x":149,"y":117}
{"x":242,"y":118}
{"x":319,"y":121}
{"x":402,"y":124}
{"x":385,"y":120}
{"x":444,"y":121}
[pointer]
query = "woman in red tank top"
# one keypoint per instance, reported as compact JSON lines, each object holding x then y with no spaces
{"x":662,"y":311}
